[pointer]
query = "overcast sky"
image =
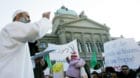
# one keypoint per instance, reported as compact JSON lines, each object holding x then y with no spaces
{"x":121,"y":16}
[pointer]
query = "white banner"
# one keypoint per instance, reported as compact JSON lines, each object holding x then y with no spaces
{"x":62,"y":51}
{"x":122,"y":52}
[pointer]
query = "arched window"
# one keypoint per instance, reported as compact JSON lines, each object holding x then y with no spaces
{"x":88,"y":46}
{"x":93,"y":48}
{"x":100,"y":46}
{"x":79,"y":46}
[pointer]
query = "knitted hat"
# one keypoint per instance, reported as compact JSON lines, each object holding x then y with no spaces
{"x":17,"y":12}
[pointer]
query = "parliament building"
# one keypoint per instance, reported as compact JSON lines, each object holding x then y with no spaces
{"x":68,"y":25}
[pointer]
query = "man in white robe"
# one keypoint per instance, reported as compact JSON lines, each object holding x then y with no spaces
{"x":15,"y":60}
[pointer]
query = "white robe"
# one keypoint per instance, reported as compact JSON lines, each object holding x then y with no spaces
{"x":15,"y":60}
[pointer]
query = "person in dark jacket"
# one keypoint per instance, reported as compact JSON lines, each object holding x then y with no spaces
{"x":87,"y":69}
{"x":95,"y":75}
{"x":126,"y":72}
{"x":40,"y":63}
{"x":138,"y":73}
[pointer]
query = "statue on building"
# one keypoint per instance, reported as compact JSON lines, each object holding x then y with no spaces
{"x":82,"y":14}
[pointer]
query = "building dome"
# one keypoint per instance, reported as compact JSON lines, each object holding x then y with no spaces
{"x":66,"y":11}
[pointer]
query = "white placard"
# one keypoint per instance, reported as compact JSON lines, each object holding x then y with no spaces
{"x":122,"y":52}
{"x":62,"y":51}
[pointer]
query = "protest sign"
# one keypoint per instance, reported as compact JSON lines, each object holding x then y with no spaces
{"x":122,"y":52}
{"x":62,"y":51}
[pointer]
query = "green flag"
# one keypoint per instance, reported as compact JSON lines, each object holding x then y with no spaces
{"x":47,"y":59}
{"x":93,"y":60}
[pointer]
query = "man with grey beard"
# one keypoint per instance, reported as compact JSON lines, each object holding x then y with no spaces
{"x":15,"y":60}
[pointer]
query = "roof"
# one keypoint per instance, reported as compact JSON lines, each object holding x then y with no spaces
{"x":89,"y":20}
{"x":64,"y":10}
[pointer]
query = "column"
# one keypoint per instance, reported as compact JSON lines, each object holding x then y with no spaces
{"x":62,"y":37}
{"x":94,"y":43}
{"x":72,"y":35}
{"x":101,"y":37}
{"x":83,"y":45}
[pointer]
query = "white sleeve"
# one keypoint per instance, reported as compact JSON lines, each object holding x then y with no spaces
{"x":28,"y":31}
{"x":45,"y":26}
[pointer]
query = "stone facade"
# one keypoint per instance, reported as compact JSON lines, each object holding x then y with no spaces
{"x":67,"y":26}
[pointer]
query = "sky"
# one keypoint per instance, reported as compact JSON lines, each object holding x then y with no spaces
{"x":121,"y":16}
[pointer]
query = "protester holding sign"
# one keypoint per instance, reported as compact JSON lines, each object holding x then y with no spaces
{"x":122,"y":52}
{"x":75,"y":64}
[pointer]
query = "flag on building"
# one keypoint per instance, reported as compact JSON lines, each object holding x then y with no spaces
{"x":93,"y":60}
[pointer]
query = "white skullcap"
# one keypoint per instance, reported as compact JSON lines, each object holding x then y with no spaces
{"x":17,"y":12}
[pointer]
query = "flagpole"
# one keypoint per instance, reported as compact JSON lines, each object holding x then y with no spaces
{"x":41,"y":54}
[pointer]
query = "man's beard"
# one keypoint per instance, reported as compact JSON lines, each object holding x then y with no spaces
{"x":24,"y":20}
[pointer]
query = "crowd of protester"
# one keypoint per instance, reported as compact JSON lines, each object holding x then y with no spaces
{"x":109,"y":72}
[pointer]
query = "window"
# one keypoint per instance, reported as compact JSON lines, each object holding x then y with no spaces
{"x":93,"y":49}
{"x":80,"y":46}
{"x":88,"y":47}
{"x":101,"y":47}
{"x":98,"y":46}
